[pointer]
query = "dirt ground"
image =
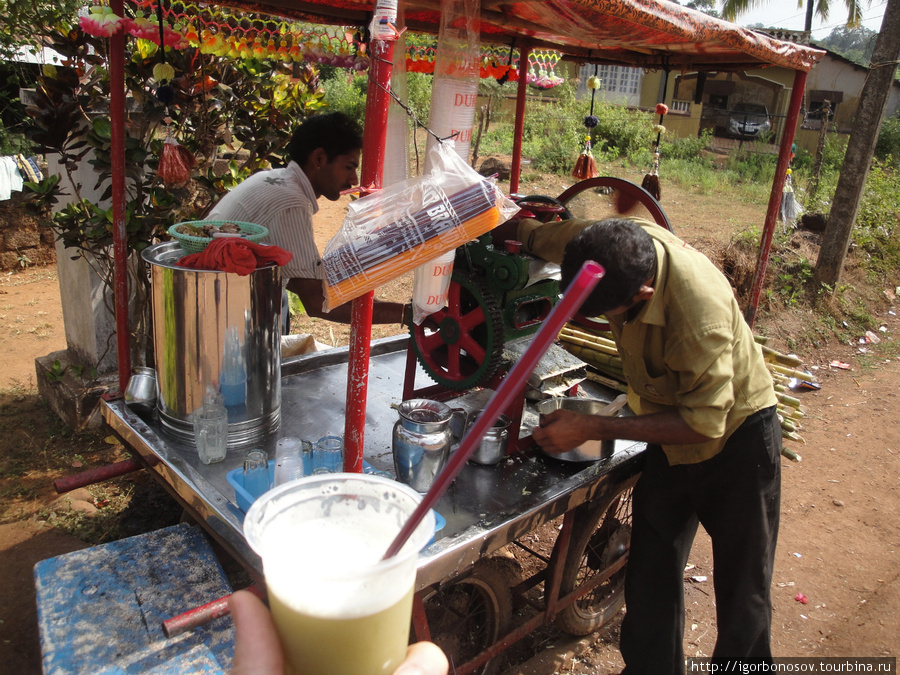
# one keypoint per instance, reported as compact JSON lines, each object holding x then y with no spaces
{"x":840,"y":532}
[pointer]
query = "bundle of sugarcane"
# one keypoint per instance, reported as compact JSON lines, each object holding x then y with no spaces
{"x":599,"y":351}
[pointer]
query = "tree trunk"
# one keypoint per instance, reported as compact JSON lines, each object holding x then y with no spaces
{"x":860,"y":149}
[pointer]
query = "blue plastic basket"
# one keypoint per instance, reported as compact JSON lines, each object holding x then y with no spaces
{"x":192,"y":244}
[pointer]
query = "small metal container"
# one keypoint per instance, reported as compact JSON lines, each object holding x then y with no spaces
{"x":590,"y":451}
{"x":140,"y":393}
{"x":421,"y":442}
{"x":493,"y":445}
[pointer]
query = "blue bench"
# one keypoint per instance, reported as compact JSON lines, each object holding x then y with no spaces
{"x":100,"y":610}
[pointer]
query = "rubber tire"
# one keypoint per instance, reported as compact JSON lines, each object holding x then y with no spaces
{"x":590,"y":543}
{"x":489,"y":586}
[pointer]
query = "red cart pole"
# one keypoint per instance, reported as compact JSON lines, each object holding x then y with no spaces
{"x":520,"y":121}
{"x":784,"y":160}
{"x":381,"y":49}
{"x":117,"y":158}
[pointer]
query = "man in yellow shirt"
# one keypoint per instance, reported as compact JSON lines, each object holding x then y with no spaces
{"x":704,"y":404}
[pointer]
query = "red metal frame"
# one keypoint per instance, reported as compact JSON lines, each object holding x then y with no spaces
{"x":784,"y":160}
{"x":117,"y":158}
{"x":374,"y":142}
{"x":522,"y":89}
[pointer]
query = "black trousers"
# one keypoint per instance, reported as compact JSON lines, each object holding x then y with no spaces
{"x":736,"y":495}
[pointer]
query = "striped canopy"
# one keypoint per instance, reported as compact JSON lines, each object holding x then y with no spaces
{"x":642,"y":33}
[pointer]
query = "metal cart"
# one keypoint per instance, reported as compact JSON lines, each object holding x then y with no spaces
{"x":461,"y":603}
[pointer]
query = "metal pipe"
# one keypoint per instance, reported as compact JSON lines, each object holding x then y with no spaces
{"x":98,"y":475}
{"x":202,"y":615}
{"x":784,"y":160}
{"x":117,"y":158}
{"x":519,"y":127}
{"x":374,"y":142}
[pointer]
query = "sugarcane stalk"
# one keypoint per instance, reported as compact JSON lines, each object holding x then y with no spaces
{"x":587,"y":335}
{"x":788,"y":400}
{"x":790,"y":372}
{"x":774,"y":356}
{"x":790,"y":454}
{"x":606,"y":381}
{"x":793,"y":437}
{"x":590,"y":344}
{"x":594,"y":357}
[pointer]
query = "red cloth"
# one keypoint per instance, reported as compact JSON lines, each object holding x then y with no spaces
{"x":235,"y":254}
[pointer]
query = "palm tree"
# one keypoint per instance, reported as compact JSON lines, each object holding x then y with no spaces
{"x":731,"y":9}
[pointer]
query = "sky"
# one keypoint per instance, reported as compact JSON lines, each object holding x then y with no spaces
{"x":786,"y":14}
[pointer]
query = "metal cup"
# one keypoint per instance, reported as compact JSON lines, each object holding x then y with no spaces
{"x":140,"y":393}
{"x":493,"y":444}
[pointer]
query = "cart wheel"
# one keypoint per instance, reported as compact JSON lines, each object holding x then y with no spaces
{"x":597,"y":552}
{"x":468,"y":615}
{"x":593,"y":199}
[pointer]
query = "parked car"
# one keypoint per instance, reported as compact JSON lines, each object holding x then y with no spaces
{"x":749,"y":120}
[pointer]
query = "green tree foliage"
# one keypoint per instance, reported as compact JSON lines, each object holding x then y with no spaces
{"x":23,"y":22}
{"x":855,"y":44}
{"x":732,"y":9}
{"x":239,"y":112}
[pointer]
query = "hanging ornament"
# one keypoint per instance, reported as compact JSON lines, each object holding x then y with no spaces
{"x":585,"y":165}
{"x":175,"y":163}
{"x":790,"y":207}
{"x":163,"y":73}
{"x":651,"y":180}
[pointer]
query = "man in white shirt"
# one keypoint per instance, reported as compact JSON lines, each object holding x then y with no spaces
{"x":325,"y":154}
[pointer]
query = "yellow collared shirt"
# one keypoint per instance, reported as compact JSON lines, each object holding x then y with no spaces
{"x":689,"y":349}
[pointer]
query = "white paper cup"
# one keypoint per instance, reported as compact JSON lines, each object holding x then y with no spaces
{"x":338,"y":607}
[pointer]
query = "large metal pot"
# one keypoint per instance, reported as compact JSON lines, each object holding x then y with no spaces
{"x":219,"y":331}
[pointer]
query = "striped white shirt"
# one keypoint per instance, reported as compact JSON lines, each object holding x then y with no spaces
{"x":283,"y":201}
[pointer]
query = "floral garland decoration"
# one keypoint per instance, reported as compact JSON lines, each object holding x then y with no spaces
{"x":240,"y":35}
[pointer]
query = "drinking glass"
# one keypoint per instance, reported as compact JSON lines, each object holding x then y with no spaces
{"x":338,"y":607}
{"x":328,"y":456}
{"x":256,"y":473}
{"x":289,"y":459}
{"x":211,"y":432}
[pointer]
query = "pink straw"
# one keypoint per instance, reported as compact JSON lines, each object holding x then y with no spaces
{"x":588,"y":276}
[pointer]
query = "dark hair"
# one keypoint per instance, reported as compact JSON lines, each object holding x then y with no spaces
{"x":624,"y":250}
{"x":334,"y":132}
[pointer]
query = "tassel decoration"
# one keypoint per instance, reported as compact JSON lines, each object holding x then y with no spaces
{"x":651,"y":181}
{"x":586,"y":166}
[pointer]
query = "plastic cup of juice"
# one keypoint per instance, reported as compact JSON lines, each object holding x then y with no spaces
{"x":338,"y":607}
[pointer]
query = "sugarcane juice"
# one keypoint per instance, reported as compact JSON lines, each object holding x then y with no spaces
{"x":339,"y":607}
{"x":373,"y":644}
{"x":343,"y":617}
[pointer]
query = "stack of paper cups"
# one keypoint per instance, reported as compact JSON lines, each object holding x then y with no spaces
{"x":453,"y":111}
{"x":431,"y":282}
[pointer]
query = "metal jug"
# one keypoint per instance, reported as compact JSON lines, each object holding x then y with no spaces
{"x":421,"y":442}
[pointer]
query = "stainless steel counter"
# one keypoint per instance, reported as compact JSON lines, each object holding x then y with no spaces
{"x":485,"y":508}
